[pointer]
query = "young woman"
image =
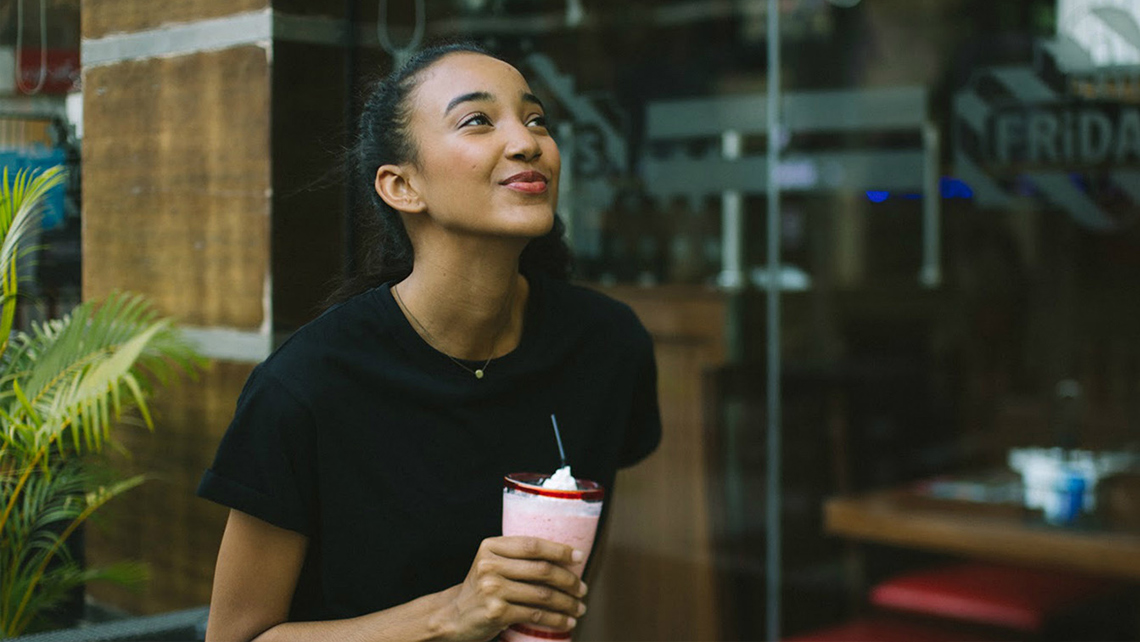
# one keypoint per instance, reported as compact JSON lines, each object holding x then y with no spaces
{"x":364,"y":464}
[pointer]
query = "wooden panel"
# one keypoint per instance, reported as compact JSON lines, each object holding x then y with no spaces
{"x":1000,"y":532}
{"x":176,"y":184}
{"x":655,"y":579}
{"x":162,"y":523}
{"x":102,"y":17}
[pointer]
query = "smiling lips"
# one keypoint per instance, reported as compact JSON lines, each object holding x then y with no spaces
{"x":531,"y":182}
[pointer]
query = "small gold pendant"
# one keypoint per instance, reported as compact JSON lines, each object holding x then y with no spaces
{"x":479,"y":373}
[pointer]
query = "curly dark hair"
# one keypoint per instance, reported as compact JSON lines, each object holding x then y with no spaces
{"x":384,"y":138}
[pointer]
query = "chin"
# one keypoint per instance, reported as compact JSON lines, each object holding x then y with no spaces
{"x":533,"y":224}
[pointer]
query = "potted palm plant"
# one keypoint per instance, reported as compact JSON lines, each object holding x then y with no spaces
{"x":64,"y":384}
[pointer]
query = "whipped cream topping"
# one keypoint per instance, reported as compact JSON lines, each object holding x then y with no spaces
{"x":562,"y":479}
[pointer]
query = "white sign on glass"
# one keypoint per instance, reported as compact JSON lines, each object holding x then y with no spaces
{"x":1109,"y":30}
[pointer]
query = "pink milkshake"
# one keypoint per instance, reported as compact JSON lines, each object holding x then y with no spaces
{"x":538,"y":506}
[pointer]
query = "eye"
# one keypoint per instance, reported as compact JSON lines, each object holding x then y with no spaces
{"x":538,"y":120}
{"x":475,"y":120}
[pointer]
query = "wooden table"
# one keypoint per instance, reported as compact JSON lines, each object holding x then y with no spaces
{"x":999,"y":532}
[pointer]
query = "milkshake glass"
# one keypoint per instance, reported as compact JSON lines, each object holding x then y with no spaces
{"x":564,"y":516}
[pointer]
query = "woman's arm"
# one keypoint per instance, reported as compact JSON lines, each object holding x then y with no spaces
{"x":256,"y":573}
{"x":513,"y":579}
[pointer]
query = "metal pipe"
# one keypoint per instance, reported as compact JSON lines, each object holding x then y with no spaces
{"x":567,"y":182}
{"x":931,"y":275}
{"x":732,"y":235}
{"x":773,"y":504}
{"x":731,"y":278}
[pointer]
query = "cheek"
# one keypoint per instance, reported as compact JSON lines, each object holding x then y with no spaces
{"x":555,"y":157}
{"x":555,"y":163}
{"x":464,"y":164}
{"x":452,"y":168}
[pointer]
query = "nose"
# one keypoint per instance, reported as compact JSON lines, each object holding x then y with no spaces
{"x":522,"y":143}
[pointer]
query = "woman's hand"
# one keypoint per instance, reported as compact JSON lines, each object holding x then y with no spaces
{"x":516,"y":580}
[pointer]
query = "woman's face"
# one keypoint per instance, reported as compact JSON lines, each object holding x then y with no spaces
{"x":486,"y":162}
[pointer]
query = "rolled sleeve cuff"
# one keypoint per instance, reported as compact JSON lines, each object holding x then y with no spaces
{"x":227,"y":492}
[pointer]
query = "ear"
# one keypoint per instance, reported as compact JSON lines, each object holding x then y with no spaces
{"x":393,"y":185}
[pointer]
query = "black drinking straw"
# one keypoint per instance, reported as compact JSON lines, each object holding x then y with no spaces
{"x":558,"y":438}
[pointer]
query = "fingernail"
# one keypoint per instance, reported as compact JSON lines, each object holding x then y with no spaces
{"x":582,"y":588}
{"x":577,"y":555}
{"x":573,"y":622}
{"x":581,"y":609}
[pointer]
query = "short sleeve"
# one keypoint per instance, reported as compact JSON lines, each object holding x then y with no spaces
{"x":643,"y":434}
{"x":265,"y":465}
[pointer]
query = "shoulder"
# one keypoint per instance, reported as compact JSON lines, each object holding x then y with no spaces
{"x":334,"y":336}
{"x":586,"y":308}
{"x":585,"y":303}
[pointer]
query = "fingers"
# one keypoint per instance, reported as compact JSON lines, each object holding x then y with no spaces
{"x":534,"y":548}
{"x":538,"y":572}
{"x":540,"y":617}
{"x":509,"y":601}
{"x":534,"y":571}
{"x":544,"y":598}
{"x":539,"y":584}
{"x":522,"y":580}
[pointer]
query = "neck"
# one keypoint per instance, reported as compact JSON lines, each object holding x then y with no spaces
{"x":468,"y":305}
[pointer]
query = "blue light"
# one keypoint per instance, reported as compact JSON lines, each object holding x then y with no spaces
{"x":954,"y":188}
{"x":948,"y":187}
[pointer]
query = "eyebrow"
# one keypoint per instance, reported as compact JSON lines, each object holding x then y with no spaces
{"x":483,"y":96}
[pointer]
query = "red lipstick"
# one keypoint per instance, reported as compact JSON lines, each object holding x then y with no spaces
{"x":531,"y":182}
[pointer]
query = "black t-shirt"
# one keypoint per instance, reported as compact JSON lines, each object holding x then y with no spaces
{"x":390,"y":457}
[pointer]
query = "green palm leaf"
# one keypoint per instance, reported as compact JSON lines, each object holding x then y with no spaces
{"x":21,"y":205}
{"x":72,"y":378}
{"x":53,"y":504}
{"x":64,"y":383}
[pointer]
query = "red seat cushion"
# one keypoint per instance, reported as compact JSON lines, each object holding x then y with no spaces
{"x":1006,"y":596}
{"x":880,"y":630}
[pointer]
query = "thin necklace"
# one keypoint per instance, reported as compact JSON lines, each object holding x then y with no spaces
{"x":478,"y":372}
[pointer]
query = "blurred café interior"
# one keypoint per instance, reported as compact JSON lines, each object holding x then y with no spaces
{"x":883,"y":247}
